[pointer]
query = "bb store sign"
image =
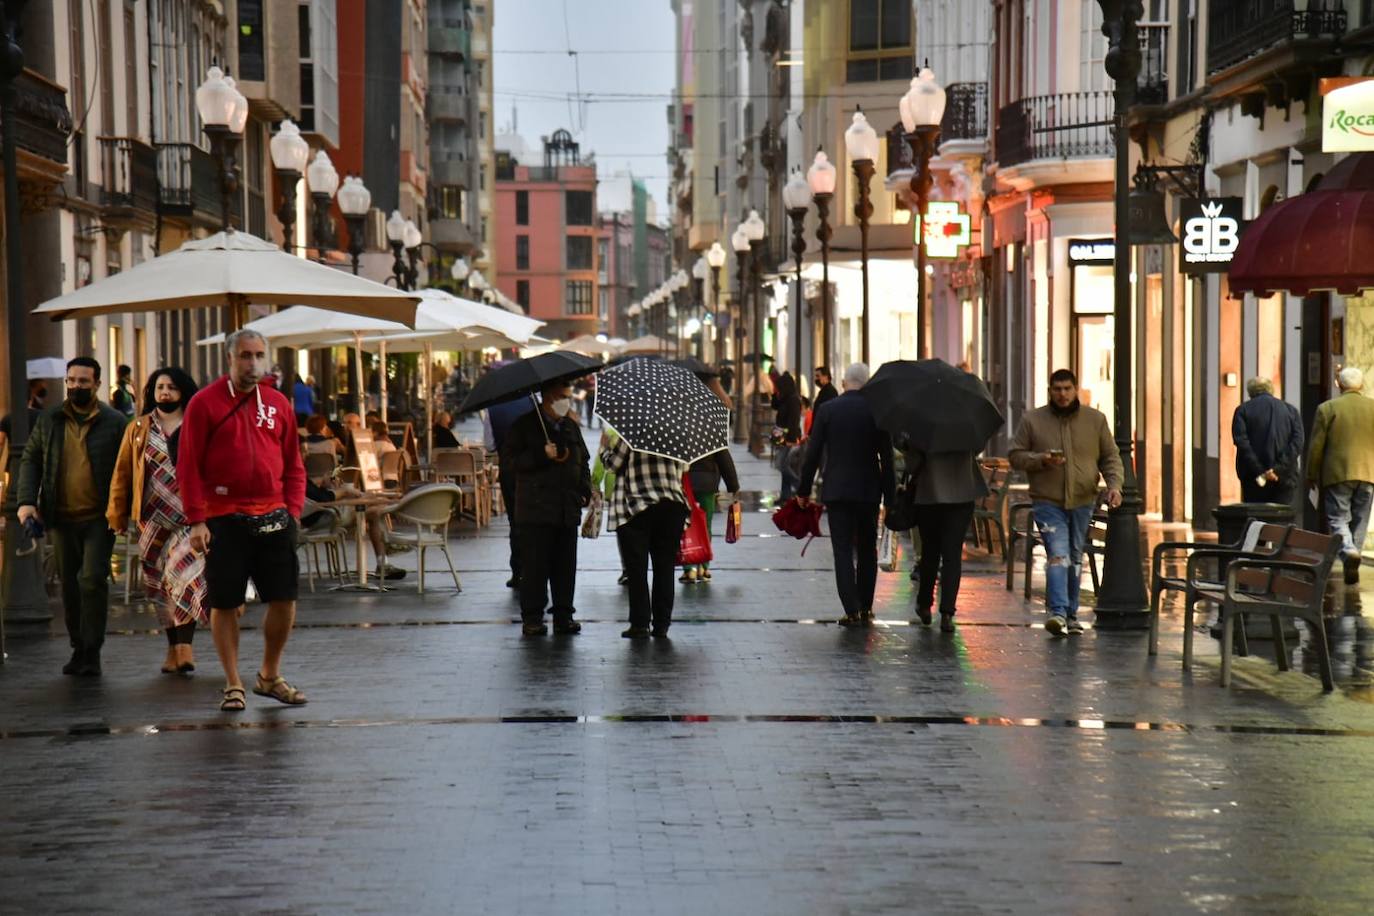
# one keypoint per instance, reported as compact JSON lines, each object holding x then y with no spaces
{"x":1212,"y":227}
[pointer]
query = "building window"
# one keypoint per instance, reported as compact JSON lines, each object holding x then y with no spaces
{"x":522,"y":252}
{"x":604,"y":308}
{"x":251,"y":63}
{"x":450,"y":202}
{"x":578,"y":206}
{"x":579,"y":301}
{"x":307,"y":120}
{"x":579,"y":252}
{"x":603,"y":249}
{"x":522,"y":294}
{"x":522,"y":208}
{"x":879,"y":40}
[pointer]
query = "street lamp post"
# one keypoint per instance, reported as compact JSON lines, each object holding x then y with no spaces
{"x":323,"y":181}
{"x":355,"y":200}
{"x":699,"y":271}
{"x":821,"y":178}
{"x":796,"y":197}
{"x":861,"y":142}
{"x":290,"y":153}
{"x":740,"y":243}
{"x":459,"y":272}
{"x":1121,"y":605}
{"x":412,"y":241}
{"x":224,"y":113}
{"x":755,"y":230}
{"x":921,"y":109}
{"x":395,"y":237}
{"x":715,"y":257}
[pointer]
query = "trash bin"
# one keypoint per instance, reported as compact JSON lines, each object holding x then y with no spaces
{"x":1232,"y":520}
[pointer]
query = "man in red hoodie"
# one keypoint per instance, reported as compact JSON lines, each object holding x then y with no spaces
{"x":243,"y":486}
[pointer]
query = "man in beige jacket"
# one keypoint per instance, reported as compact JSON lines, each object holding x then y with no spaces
{"x":1063,"y":448}
{"x":1341,"y":462}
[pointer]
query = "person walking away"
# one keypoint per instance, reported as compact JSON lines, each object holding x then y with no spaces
{"x":122,"y":396}
{"x":648,"y":514}
{"x":704,"y":477}
{"x":947,"y":485}
{"x":242,"y":491}
{"x":144,"y":494}
{"x":303,"y":399}
{"x":857,"y":478}
{"x":787,"y":434}
{"x":1063,"y":448}
{"x":1340,"y":463}
{"x":553,"y":482}
{"x":1268,"y":437}
{"x":64,"y":483}
{"x":497,"y":424}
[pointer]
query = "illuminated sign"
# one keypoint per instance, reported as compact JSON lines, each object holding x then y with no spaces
{"x":1211,"y":233}
{"x":949,"y":229}
{"x":1348,"y":119}
{"x":1092,"y":251}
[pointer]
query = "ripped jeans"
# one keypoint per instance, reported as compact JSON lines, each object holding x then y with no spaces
{"x":1063,"y":532}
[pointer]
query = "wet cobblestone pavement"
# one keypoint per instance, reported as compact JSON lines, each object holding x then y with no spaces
{"x":761,"y":761}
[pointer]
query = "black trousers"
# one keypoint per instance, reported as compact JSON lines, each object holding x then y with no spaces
{"x":548,"y":565}
{"x":942,"y":527}
{"x":1280,"y":491}
{"x":83,"y":564}
{"x":854,"y":540}
{"x":653,"y":534}
{"x":507,"y":480}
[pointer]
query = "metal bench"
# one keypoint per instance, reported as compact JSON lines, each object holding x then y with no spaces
{"x":990,"y":511}
{"x":1095,"y":542}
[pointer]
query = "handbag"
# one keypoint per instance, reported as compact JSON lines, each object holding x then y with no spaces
{"x":695,"y":546}
{"x":900,"y":514}
{"x":734,"y":519}
{"x":591,"y":524}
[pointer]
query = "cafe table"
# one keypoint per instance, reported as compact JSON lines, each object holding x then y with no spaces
{"x":363,"y":503}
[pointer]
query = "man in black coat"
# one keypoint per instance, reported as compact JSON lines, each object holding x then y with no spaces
{"x":858,"y":477}
{"x":553,"y":482}
{"x":825,"y":389}
{"x":1269,"y":441}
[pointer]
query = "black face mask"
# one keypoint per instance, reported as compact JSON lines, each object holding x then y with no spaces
{"x":169,"y":406}
{"x":81,"y":397}
{"x":40,"y":395}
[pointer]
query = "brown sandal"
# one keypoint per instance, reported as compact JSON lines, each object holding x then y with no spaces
{"x":234,"y":700}
{"x":279,"y":690}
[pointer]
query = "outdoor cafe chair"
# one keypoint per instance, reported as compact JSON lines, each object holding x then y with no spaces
{"x":428,"y":510}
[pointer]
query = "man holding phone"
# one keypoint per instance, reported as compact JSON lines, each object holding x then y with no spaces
{"x":1064,"y":447}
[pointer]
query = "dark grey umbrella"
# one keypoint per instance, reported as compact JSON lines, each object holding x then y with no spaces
{"x":525,"y":376}
{"x":934,"y":406}
{"x":662,"y":409}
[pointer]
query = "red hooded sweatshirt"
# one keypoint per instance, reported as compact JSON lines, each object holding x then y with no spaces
{"x":239,"y":453}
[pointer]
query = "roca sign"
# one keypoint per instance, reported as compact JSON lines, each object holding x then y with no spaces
{"x":1211,"y":233}
{"x":1348,"y":119}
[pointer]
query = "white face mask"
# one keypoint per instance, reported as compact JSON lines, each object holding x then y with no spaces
{"x":561,"y":407}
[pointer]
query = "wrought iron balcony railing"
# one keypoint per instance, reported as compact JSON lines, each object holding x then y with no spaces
{"x":189,"y":185}
{"x":966,"y":112}
{"x":1074,"y":125}
{"x":1239,"y":29}
{"x":128,"y":174}
{"x":1152,"y":87}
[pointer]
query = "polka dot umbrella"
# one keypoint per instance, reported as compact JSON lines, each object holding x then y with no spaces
{"x":662,"y":409}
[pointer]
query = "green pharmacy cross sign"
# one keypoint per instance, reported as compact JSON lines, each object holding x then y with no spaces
{"x":949,"y":229}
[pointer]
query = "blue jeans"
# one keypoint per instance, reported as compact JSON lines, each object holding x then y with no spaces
{"x":1346,"y":506}
{"x":1063,"y":532}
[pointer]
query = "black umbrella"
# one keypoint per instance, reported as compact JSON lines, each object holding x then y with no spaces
{"x":524,"y":376}
{"x":662,"y":409}
{"x":696,"y":367}
{"x":935,"y":406}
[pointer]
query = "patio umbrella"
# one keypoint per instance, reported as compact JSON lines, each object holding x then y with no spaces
{"x":643,"y":345}
{"x":524,"y":376}
{"x":935,"y":406}
{"x":662,"y":409}
{"x":588,"y":345}
{"x":231,"y":269}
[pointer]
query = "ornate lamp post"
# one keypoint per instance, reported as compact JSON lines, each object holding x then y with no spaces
{"x":699,"y":271}
{"x":224,"y":114}
{"x":739,"y":241}
{"x":1121,"y":605}
{"x":395,"y":237}
{"x":290,"y":153}
{"x":821,"y":178}
{"x":355,"y":200}
{"x":632,"y":313}
{"x":921,"y":110}
{"x":459,"y":272}
{"x":796,"y":197}
{"x":755,"y":230}
{"x":323,"y":181}
{"x":715,"y":257}
{"x":412,"y":241}
{"x":861,"y":142}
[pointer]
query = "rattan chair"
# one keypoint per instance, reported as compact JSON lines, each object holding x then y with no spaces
{"x":428,"y":509}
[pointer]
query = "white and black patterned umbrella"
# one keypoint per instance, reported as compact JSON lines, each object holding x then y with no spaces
{"x":662,"y":409}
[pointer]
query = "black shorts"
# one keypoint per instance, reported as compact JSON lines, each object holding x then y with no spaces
{"x":236,"y":555}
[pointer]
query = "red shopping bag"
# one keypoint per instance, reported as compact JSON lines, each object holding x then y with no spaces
{"x":695,"y":547}
{"x":734,"y":520}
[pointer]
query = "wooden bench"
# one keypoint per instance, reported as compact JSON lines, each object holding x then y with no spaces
{"x":1026,"y":532}
{"x":1291,"y":583}
{"x":1261,"y":540}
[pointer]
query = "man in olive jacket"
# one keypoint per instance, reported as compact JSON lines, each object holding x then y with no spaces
{"x":1341,"y":463}
{"x":64,"y":484}
{"x":553,"y":482}
{"x":1064,"y":447}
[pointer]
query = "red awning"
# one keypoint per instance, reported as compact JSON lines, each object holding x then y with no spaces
{"x":1322,"y":240}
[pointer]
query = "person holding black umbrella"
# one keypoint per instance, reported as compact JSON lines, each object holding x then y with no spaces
{"x":945,"y":485}
{"x":553,"y":482}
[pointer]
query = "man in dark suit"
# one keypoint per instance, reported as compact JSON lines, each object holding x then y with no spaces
{"x":858,"y":477}
{"x":1269,"y":441}
{"x":825,"y":390}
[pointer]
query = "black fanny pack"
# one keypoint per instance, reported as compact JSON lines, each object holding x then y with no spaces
{"x":263,"y":525}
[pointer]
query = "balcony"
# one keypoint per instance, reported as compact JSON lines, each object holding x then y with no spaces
{"x":1242,"y":29}
{"x":451,"y":235}
{"x":448,"y":40}
{"x":447,"y":105}
{"x":964,"y":127}
{"x":1045,"y":139}
{"x":189,"y":186}
{"x":1152,"y":86}
{"x":452,"y":173}
{"x":129,"y":188}
{"x":42,"y":126}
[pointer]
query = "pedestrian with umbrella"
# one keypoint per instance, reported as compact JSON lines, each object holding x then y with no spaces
{"x":666,"y":419}
{"x":706,"y":473}
{"x":941,"y":418}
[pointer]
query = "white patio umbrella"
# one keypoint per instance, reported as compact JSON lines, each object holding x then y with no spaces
{"x":46,"y":367}
{"x":589,"y":345}
{"x":231,"y":269}
{"x":642,"y":345}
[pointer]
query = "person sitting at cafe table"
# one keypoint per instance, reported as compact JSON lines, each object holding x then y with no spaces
{"x":320,"y":438}
{"x":318,"y":514}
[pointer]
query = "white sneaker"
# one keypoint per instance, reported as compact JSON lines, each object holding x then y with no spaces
{"x":1075,"y":628}
{"x":1056,"y":626}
